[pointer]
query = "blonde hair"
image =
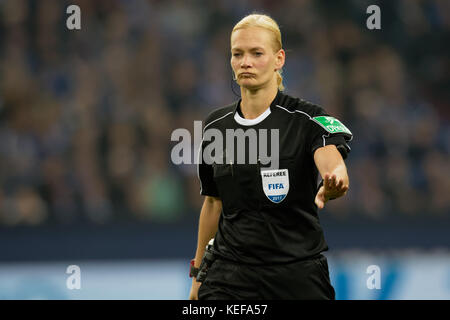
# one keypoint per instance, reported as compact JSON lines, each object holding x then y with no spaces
{"x":267,"y":23}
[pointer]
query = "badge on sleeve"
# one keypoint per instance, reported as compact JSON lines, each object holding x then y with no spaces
{"x":275,"y":184}
{"x":332,"y":125}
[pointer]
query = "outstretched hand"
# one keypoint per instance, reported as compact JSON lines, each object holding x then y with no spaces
{"x":332,"y":188}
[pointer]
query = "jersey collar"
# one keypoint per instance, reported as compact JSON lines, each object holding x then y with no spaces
{"x":251,"y":122}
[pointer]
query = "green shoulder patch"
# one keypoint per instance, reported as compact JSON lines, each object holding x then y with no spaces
{"x":332,"y":125}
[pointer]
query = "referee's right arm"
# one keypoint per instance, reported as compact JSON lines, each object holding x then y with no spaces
{"x":207,"y":228}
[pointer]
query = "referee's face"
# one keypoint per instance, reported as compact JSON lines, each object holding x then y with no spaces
{"x":253,"y":58}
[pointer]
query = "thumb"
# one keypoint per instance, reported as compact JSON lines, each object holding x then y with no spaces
{"x":319,"y":200}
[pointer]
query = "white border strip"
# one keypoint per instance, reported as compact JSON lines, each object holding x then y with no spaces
{"x":251,"y":122}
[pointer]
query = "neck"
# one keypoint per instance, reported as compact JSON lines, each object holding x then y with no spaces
{"x":255,"y":102}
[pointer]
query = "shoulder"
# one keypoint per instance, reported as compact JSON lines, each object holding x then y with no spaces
{"x":320,"y":119}
{"x":220,"y":113}
{"x":301,"y":107}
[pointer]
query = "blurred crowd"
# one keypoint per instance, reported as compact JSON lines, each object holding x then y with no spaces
{"x":86,"y":115}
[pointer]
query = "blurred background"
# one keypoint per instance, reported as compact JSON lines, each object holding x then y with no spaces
{"x":86,"y":116}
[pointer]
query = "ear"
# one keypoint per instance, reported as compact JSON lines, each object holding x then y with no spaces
{"x":279,"y":59}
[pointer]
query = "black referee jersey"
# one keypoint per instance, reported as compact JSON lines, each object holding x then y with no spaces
{"x":269,"y":215}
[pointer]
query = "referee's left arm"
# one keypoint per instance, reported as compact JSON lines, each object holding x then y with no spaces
{"x":332,"y":168}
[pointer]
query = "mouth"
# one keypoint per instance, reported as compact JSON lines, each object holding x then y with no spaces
{"x":246,"y":74}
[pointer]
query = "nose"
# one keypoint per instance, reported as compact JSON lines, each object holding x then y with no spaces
{"x":245,"y":62}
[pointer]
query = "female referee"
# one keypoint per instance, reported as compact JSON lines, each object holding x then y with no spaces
{"x":264,"y":221}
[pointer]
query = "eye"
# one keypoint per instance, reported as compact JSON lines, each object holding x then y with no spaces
{"x":258,"y":54}
{"x":236,"y":54}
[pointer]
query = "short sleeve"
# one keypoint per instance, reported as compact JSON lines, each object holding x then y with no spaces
{"x":327,"y":130}
{"x":206,"y":175}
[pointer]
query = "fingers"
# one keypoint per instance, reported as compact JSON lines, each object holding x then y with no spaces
{"x":326,"y":180}
{"x":333,"y":187}
{"x":331,"y":182}
{"x":193,"y":296}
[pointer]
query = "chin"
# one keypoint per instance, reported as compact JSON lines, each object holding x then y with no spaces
{"x":251,"y":85}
